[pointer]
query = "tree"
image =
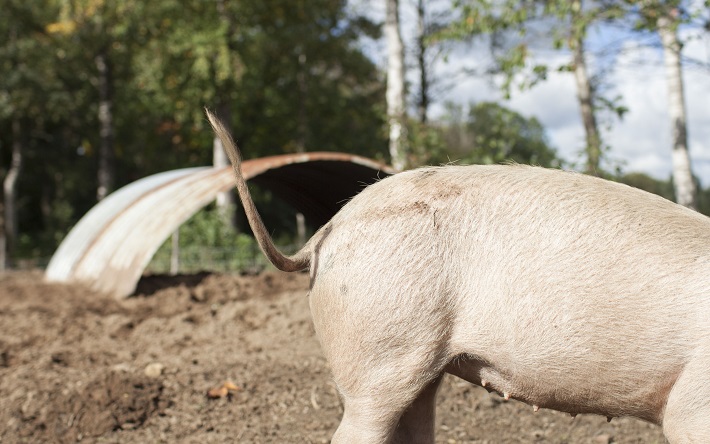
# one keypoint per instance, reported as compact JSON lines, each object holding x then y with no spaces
{"x":571,"y":21}
{"x":428,"y":50}
{"x":491,"y":133}
{"x":422,"y":47}
{"x":396,"y":99}
{"x":422,"y":54}
{"x":585,"y":91}
{"x":665,"y":17}
{"x":10,"y":189}
{"x":27,"y":102}
{"x":226,"y":201}
{"x":290,"y":73}
{"x":106,"y":33}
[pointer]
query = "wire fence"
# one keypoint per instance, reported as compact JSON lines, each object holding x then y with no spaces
{"x":35,"y":263}
{"x":189,"y":259}
{"x":194,"y":259}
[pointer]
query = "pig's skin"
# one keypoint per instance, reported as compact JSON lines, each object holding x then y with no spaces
{"x":557,"y":289}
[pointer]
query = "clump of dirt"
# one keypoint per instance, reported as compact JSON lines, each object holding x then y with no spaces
{"x":79,"y":366}
{"x":113,"y":400}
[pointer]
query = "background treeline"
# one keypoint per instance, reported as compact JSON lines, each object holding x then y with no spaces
{"x":95,"y":94}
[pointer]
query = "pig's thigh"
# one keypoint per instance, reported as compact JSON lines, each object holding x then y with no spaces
{"x":382,"y":360}
{"x":687,"y":415}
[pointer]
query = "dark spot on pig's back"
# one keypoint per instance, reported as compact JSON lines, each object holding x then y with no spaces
{"x":417,"y":194}
{"x":417,"y":207}
{"x":423,"y":174}
{"x":432,"y":184}
{"x":404,"y":209}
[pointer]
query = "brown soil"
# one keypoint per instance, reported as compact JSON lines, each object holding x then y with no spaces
{"x":78,"y":366}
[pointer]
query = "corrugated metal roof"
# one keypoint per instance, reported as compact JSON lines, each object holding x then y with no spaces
{"x":112,"y":244}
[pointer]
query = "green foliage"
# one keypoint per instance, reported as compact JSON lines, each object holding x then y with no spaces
{"x":171,"y":58}
{"x":207,"y":242}
{"x":510,"y":22}
{"x":208,"y":228}
{"x":704,"y":200}
{"x":491,"y":133}
{"x":664,"y":188}
{"x":648,"y":183}
{"x":427,"y":143}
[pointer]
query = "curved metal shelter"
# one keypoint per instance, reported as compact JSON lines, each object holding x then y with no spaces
{"x":109,"y":248}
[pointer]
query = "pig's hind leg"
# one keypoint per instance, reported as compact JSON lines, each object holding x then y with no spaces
{"x":386,"y":361}
{"x":387,"y":417}
{"x":416,"y":425}
{"x":686,"y":418}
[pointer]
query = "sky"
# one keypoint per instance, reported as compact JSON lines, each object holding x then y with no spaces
{"x":640,"y":142}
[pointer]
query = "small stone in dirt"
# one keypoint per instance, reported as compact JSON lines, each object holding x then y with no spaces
{"x":603,"y":439}
{"x":4,"y":359}
{"x":198,"y":294}
{"x":537,"y":434}
{"x":154,"y":370}
{"x":224,"y":390}
{"x":60,"y":358}
{"x":121,"y":368}
{"x":491,"y":401}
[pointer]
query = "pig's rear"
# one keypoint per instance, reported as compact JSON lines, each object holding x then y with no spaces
{"x":557,"y":289}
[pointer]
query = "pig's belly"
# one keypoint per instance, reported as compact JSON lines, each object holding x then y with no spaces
{"x":573,"y":390}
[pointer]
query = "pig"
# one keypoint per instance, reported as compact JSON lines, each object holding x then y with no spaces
{"x":557,"y":289}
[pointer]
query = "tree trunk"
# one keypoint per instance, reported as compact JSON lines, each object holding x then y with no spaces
{"x":302,"y":131}
{"x":423,"y":103}
{"x":395,"y":88}
{"x":685,"y":189}
{"x":3,"y":238}
{"x":300,"y":230}
{"x":106,"y":155}
{"x":175,"y":253}
{"x":10,"y":193}
{"x":302,"y":85}
{"x":585,"y":94}
{"x":226,"y":200}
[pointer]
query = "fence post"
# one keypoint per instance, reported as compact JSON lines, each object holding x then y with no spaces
{"x":175,"y":253}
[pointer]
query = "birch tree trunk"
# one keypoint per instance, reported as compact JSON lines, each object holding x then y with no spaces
{"x":585,"y":93}
{"x":395,"y":88}
{"x":10,"y":193}
{"x":225,"y":200}
{"x":105,"y":174}
{"x":685,"y":190}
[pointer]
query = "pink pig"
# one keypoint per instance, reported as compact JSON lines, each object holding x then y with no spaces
{"x":557,"y":289}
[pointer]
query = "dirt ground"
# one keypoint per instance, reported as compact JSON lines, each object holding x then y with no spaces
{"x":78,"y":366}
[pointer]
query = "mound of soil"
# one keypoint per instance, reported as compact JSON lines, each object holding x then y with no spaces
{"x":78,"y":366}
